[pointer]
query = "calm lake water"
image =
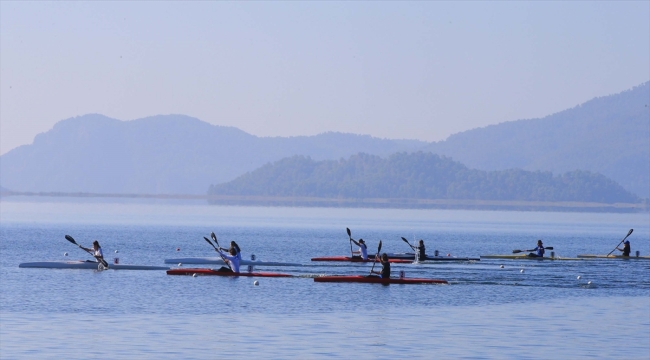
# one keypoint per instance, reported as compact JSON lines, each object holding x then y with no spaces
{"x":485,"y":312}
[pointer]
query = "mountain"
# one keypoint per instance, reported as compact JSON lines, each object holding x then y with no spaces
{"x":172,"y":154}
{"x":418,"y":176}
{"x":608,"y":135}
{"x":161,"y":155}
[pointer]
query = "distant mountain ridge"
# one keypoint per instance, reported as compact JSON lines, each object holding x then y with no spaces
{"x":172,"y":154}
{"x":161,"y":154}
{"x":609,"y":135}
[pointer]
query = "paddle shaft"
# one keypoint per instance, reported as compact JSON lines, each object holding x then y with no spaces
{"x":409,"y":244}
{"x":619,"y":244}
{"x":518,"y":251}
{"x":214,"y":237}
{"x":350,"y":236}
{"x":376,"y":256}
{"x":215,"y":249}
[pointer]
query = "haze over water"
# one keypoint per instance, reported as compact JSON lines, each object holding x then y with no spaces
{"x":485,"y":312}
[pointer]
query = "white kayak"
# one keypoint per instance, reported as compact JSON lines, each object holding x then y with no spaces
{"x":219,"y":261}
{"x":80,"y":264}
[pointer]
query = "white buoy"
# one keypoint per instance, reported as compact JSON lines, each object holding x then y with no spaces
{"x":256,"y":283}
{"x":116,"y":251}
{"x":180,"y":264}
{"x":521,"y":271}
{"x":501,"y":266}
{"x":65,"y":254}
{"x":579,"y":277}
{"x":588,"y":282}
{"x":194,"y":275}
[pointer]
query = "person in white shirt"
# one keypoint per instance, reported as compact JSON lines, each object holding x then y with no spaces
{"x":363,"y":249}
{"x":233,"y":245}
{"x":232,"y":259}
{"x":96,"y":251}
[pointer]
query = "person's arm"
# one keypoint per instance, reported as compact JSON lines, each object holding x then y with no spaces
{"x":355,"y":242}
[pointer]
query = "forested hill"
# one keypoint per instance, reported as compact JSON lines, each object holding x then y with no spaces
{"x":418,"y":176}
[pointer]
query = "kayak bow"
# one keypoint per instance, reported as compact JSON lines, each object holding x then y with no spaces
{"x":212,"y":272}
{"x":219,"y":261}
{"x":376,"y":280}
{"x":357,"y":259}
{"x":80,"y":264}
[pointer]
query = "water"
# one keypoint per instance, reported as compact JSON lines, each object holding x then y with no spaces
{"x":486,"y":311}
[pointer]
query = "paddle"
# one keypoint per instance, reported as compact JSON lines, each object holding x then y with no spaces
{"x":215,"y":249}
{"x":406,"y":241}
{"x":376,"y":256}
{"x":102,"y":261}
{"x":350,"y":236}
{"x":518,"y":251}
{"x":619,"y":244}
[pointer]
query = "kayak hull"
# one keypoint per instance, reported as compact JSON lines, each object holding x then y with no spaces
{"x":357,"y":259}
{"x":525,"y":257}
{"x":619,"y":257}
{"x":86,"y":265}
{"x":212,"y":272}
{"x":411,"y":256}
{"x":219,"y":261}
{"x":376,"y":280}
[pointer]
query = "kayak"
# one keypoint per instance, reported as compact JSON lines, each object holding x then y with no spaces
{"x":80,"y":264}
{"x":376,"y":280}
{"x":526,"y":257}
{"x":589,"y":256}
{"x":411,"y":256}
{"x":358,"y":259}
{"x":219,"y":261}
{"x":212,"y":272}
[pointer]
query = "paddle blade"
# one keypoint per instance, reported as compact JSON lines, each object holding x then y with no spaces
{"x":379,"y":247}
{"x":549,"y":248}
{"x":516,"y":251}
{"x":208,"y":240}
{"x":214,"y":237}
{"x":70,"y":239}
{"x":349,"y":232}
{"x":630,"y":232}
{"x":406,"y":241}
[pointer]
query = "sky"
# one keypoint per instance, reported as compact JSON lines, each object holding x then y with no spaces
{"x":399,"y":70}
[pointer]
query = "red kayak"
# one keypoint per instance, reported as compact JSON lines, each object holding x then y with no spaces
{"x":358,"y":259}
{"x":376,"y":280}
{"x":211,"y":272}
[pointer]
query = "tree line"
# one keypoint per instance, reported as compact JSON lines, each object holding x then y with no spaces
{"x":418,"y":175}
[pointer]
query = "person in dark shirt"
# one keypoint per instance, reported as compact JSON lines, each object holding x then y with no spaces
{"x":626,"y":248}
{"x":385,"y":267}
{"x":421,"y":251}
{"x":538,"y":251}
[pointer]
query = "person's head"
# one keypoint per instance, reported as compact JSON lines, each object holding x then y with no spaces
{"x":361,"y":241}
{"x":96,"y":244}
{"x":627,"y":242}
{"x":539,"y":242}
{"x":384,"y":257}
{"x":233,"y":244}
{"x":421,"y":242}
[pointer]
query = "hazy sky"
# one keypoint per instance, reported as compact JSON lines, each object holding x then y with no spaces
{"x":420,"y":70}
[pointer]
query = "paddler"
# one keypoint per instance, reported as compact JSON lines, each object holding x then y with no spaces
{"x":421,"y":251}
{"x":363,"y":249}
{"x":233,"y":245}
{"x":96,"y":251}
{"x":538,"y":251}
{"x":232,"y":259}
{"x":626,"y":248}
{"x":385,"y":267}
